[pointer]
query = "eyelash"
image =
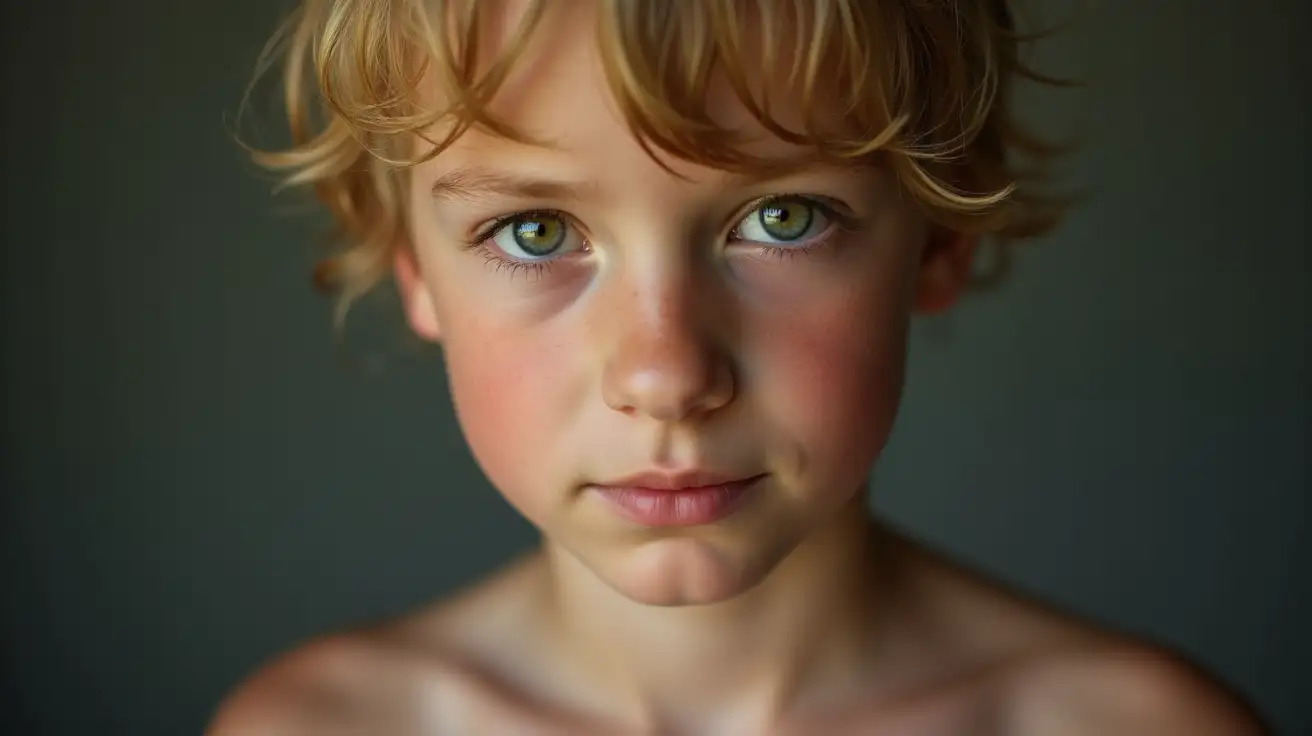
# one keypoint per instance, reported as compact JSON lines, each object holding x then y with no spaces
{"x":534,"y":269}
{"x":837,"y":220}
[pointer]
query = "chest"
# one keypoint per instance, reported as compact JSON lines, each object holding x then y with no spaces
{"x":961,"y":712}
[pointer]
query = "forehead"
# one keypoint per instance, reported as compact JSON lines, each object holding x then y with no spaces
{"x":558,"y":92}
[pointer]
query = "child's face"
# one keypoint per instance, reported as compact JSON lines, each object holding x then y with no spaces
{"x":641,"y":327}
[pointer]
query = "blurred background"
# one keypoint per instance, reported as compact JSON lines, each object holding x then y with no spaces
{"x":196,"y":476}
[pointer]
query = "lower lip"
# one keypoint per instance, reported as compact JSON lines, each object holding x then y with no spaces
{"x":686,"y":507}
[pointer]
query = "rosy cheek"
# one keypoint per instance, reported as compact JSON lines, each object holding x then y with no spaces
{"x":503,"y":387}
{"x":833,"y":375}
{"x":511,"y":376}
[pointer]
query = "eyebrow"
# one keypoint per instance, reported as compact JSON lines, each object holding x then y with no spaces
{"x":472,"y":183}
{"x":477,"y":182}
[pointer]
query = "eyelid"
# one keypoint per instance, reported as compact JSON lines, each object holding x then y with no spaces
{"x":487,"y":232}
{"x":836,"y":211}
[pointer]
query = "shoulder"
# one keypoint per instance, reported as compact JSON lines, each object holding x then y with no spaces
{"x":430,"y":671}
{"x":351,"y":683}
{"x":1124,"y":688}
{"x":1060,"y":675}
{"x":1043,"y":671}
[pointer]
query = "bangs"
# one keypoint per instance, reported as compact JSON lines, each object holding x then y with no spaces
{"x":920,"y":87}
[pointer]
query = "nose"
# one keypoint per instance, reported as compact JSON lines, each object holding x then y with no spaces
{"x":668,"y":363}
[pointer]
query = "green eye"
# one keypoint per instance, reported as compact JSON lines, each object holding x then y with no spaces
{"x":783,"y":220}
{"x":538,"y":235}
{"x":786,"y":219}
{"x":533,"y":235}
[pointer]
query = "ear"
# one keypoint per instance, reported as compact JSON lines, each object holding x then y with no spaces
{"x":945,"y":269}
{"x":416,"y":298}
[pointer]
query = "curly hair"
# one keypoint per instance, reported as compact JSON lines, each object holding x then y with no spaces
{"x":926,"y":81}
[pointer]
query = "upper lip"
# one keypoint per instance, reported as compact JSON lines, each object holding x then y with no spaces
{"x":677,"y":481}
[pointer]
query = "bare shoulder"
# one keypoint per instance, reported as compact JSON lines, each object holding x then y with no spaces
{"x":432,"y":671}
{"x":1060,"y":675}
{"x":1123,"y":687}
{"x":349,"y":683}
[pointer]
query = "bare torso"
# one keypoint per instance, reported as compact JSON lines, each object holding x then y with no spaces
{"x":982,"y":661}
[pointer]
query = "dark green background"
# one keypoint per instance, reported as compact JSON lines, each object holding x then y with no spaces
{"x":193,"y":479}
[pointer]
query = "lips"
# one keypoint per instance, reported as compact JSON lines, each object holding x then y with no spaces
{"x":681,"y":481}
{"x":678,"y":499}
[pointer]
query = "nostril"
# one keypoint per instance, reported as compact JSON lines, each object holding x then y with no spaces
{"x":668,"y":385}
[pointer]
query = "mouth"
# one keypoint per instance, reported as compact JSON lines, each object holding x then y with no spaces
{"x":678,"y":499}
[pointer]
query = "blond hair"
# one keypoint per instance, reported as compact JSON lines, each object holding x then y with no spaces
{"x":926,"y":83}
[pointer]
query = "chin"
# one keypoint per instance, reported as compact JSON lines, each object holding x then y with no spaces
{"x":687,"y":571}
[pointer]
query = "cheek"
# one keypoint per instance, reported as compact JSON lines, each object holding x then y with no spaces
{"x":832,"y":376}
{"x":839,"y":378}
{"x":507,"y":390}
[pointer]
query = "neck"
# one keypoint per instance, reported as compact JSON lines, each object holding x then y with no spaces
{"x":803,"y":629}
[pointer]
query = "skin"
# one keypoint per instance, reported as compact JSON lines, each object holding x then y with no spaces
{"x":662,"y":335}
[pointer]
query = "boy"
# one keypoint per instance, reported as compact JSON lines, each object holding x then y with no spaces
{"x":670,"y":250}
